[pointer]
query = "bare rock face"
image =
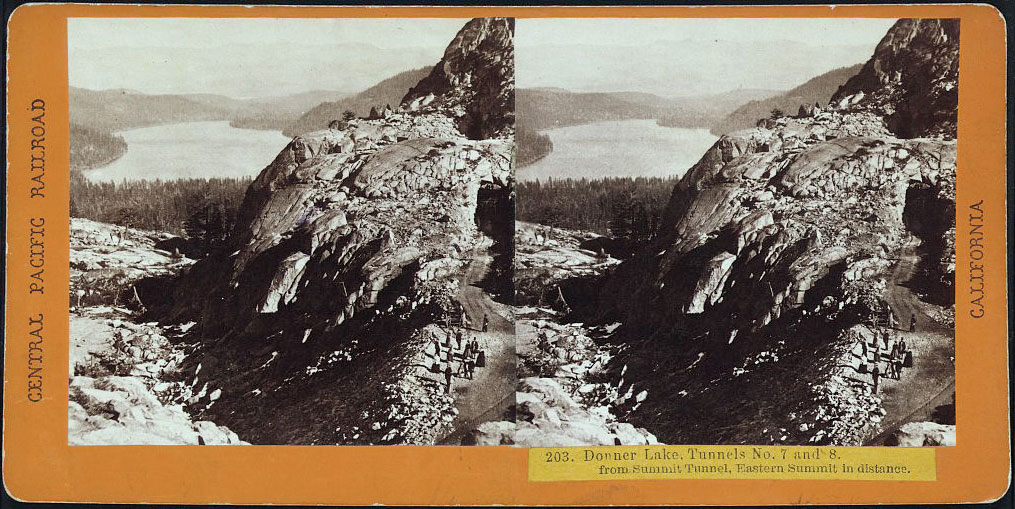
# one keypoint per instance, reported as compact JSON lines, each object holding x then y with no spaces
{"x":782,"y":234}
{"x":912,"y":79}
{"x":752,"y":228}
{"x":920,"y":434}
{"x":346,"y":247}
{"x":550,"y":417}
{"x":474,"y":82}
{"x":771,"y":212}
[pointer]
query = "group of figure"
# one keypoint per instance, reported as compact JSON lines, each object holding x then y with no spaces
{"x":894,"y":353}
{"x":463,"y":350}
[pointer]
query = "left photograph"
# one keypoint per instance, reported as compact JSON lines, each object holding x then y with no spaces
{"x":291,"y":231}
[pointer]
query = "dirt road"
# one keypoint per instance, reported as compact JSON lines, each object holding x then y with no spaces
{"x":931,"y":381}
{"x":492,"y":391}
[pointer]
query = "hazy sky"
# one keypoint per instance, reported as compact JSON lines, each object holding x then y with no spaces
{"x":688,"y":56}
{"x":250,"y":57}
{"x":257,"y":57}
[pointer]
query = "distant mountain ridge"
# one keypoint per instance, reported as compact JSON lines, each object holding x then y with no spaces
{"x":120,"y":109}
{"x":388,"y":92}
{"x":545,"y":108}
{"x":816,"y":90}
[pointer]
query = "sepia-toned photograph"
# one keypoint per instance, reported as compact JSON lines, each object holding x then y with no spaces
{"x":513,"y":254}
{"x":290,"y":231}
{"x":736,"y":231}
{"x":321,"y":231}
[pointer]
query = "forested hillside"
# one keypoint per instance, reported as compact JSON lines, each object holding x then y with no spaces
{"x":620,"y":207}
{"x":196,"y":208}
{"x":277,"y":113}
{"x":116,"y":110}
{"x":530,"y":145}
{"x":91,"y":148}
{"x":817,"y":90}
{"x":545,"y":108}
{"x":387,"y":92}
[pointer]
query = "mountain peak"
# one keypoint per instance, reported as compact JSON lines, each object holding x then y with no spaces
{"x":911,"y":80}
{"x":474,"y":81}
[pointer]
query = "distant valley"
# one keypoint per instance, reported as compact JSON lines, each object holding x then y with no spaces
{"x":96,"y":115}
{"x":387,"y":92}
{"x":545,"y":108}
{"x":815,"y":91}
{"x":541,"y":109}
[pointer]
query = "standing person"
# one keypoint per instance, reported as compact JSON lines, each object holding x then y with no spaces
{"x":465,"y":318}
{"x":889,"y":368}
{"x":447,"y":378}
{"x":899,"y":359}
{"x":486,"y":322}
{"x":891,"y":319}
{"x":470,"y":363}
{"x":480,"y":355}
{"x":912,"y":323}
{"x":875,"y":373}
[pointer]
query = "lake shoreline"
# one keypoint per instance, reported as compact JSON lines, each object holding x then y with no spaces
{"x":187,"y":150}
{"x":103,"y":164}
{"x":618,"y":148}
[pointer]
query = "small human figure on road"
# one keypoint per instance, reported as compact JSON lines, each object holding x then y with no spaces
{"x":875,"y":374}
{"x":470,"y":364}
{"x":912,"y":323}
{"x":891,"y":319}
{"x":898,"y":360}
{"x":447,"y":378}
{"x":486,"y":322}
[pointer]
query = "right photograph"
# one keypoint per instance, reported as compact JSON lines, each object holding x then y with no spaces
{"x":735,"y":231}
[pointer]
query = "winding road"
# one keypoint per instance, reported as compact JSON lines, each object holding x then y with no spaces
{"x":930,"y":383}
{"x":492,"y":390}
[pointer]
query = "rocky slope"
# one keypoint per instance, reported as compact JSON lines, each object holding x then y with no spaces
{"x":348,"y":251}
{"x":912,"y":79}
{"x":125,"y":379}
{"x":474,"y":83}
{"x":778,"y":241}
{"x":565,"y":394}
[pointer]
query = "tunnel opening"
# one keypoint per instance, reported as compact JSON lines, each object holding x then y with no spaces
{"x":495,"y":217}
{"x":931,"y":218}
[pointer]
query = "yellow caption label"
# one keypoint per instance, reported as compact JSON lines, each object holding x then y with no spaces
{"x":731,"y":462}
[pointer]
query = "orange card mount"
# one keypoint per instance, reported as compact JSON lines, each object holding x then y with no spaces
{"x":506,"y":255}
